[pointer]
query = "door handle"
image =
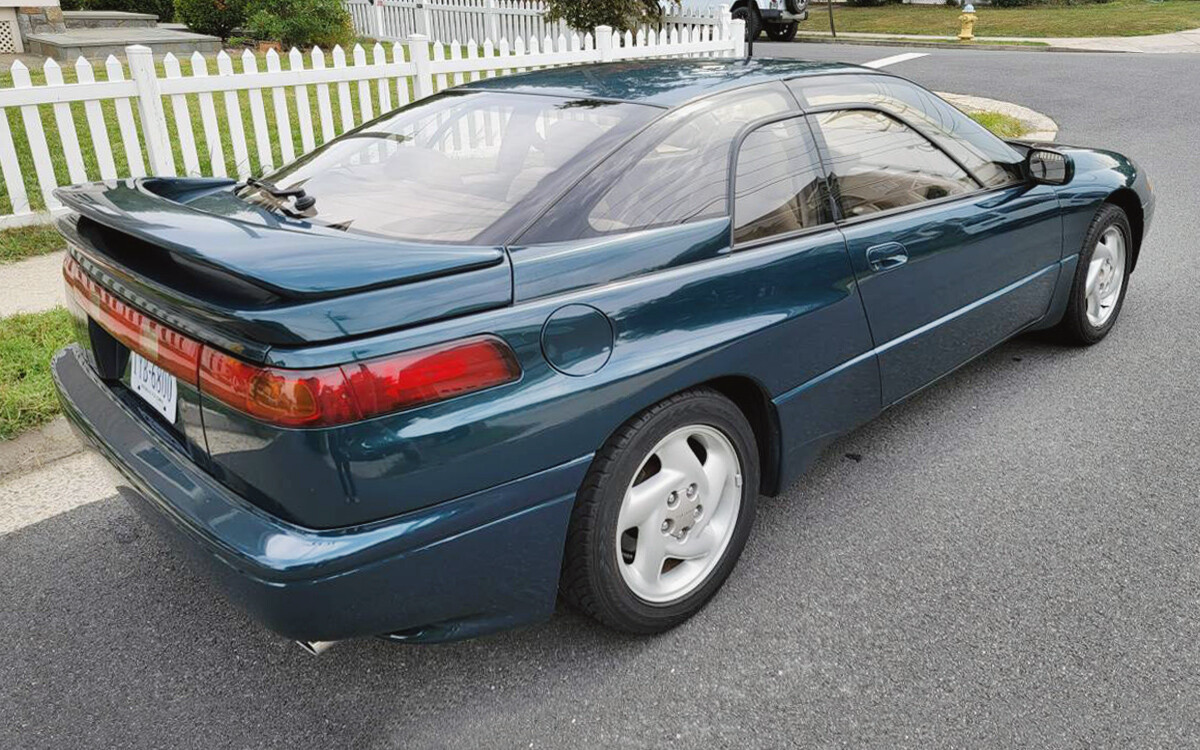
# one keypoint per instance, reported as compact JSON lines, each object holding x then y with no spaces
{"x":885,"y":256}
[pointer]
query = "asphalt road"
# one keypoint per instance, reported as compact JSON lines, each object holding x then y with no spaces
{"x":1012,"y":562}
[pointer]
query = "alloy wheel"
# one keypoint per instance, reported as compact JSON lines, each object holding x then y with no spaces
{"x":1105,"y":277}
{"x":679,"y":513}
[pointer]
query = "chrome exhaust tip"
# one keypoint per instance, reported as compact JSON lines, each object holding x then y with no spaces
{"x":316,"y":648}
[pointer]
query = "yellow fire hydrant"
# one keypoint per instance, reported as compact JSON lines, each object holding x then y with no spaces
{"x":967,"y":19}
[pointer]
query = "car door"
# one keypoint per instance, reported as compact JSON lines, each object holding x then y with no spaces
{"x":946,"y":267}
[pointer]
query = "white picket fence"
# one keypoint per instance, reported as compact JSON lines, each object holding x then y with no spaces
{"x":454,"y":21}
{"x":447,"y":20}
{"x":238,"y":123}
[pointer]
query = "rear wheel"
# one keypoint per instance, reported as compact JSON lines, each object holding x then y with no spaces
{"x":663,"y":514}
{"x":1101,"y":278}
{"x":782,"y":32}
{"x":753,"y":22}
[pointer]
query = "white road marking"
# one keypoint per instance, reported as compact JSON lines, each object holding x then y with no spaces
{"x":886,"y":61}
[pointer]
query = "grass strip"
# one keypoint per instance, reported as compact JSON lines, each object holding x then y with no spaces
{"x":1005,"y":126}
{"x":27,"y":342}
{"x":1051,"y":19}
{"x":27,"y":242}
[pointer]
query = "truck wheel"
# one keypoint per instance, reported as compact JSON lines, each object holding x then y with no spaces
{"x":753,"y":22}
{"x":782,"y":32}
{"x":663,"y":514}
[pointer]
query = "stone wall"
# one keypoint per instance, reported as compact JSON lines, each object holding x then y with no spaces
{"x":46,"y":19}
{"x":101,"y":19}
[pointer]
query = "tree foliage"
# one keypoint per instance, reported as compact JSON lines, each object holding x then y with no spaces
{"x":623,"y":15}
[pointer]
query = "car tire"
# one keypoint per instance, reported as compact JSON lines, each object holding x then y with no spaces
{"x":603,"y":563}
{"x":753,"y":22}
{"x":782,"y":32}
{"x":1101,"y":278}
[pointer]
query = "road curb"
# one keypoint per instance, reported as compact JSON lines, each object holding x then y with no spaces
{"x":884,"y":42}
{"x":1041,"y":127}
{"x":34,"y":449}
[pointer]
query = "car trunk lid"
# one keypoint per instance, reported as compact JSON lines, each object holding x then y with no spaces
{"x":246,"y":279}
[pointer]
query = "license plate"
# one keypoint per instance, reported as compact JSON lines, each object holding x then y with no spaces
{"x":155,"y":385}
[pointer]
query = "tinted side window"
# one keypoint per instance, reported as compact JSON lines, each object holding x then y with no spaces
{"x":877,"y":163}
{"x":991,"y":160}
{"x":675,"y":171}
{"x":778,"y":186}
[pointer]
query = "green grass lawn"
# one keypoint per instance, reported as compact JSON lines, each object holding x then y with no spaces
{"x":1116,"y":18}
{"x":26,"y":390}
{"x":1002,"y":125}
{"x":26,"y":242}
{"x":91,"y":166}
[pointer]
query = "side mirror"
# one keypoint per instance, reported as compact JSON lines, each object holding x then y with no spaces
{"x":1047,"y":167}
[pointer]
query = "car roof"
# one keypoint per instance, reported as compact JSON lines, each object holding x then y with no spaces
{"x":662,"y":83}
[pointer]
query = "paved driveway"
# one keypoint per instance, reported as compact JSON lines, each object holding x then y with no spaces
{"x":1012,"y":562}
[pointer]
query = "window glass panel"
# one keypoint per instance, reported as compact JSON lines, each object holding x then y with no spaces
{"x":449,"y":167}
{"x":876,"y":163}
{"x":991,"y":160}
{"x":682,"y":172}
{"x":777,"y":190}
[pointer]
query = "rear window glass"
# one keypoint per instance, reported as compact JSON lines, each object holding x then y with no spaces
{"x":447,"y":168}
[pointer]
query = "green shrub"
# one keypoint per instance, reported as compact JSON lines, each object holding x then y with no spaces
{"x":215,"y":17}
{"x":588,"y":14}
{"x":869,"y":3}
{"x":300,"y":23}
{"x":164,"y":9}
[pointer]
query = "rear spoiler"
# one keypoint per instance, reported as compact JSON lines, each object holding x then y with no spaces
{"x":288,"y":259}
{"x":229,"y":276}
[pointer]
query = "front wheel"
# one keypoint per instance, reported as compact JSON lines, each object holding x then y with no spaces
{"x":1101,"y":278}
{"x":663,"y":514}
{"x":782,"y":32}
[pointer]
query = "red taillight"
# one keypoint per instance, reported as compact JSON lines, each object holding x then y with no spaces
{"x":301,"y":398}
{"x":433,"y":374}
{"x":291,"y":398}
{"x":336,"y":395}
{"x":160,"y":344}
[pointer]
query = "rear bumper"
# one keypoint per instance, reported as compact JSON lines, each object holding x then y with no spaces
{"x":462,"y":568}
{"x":779,"y":15}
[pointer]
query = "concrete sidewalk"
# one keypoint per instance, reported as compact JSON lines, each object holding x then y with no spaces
{"x":31,"y":285}
{"x":1179,"y":41}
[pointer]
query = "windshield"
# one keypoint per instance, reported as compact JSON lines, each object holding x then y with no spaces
{"x":449,"y":167}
